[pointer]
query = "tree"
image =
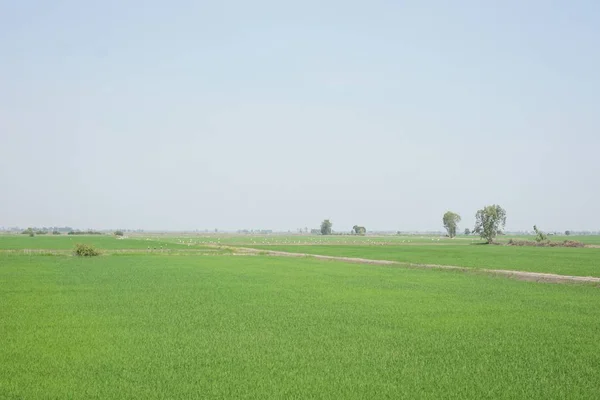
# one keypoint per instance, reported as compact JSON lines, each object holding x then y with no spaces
{"x":568,"y":233}
{"x":326,"y":227}
{"x":451,"y":221}
{"x":359,"y":230}
{"x":489,"y":222}
{"x":467,"y":231}
{"x":539,"y":235}
{"x":119,"y":233}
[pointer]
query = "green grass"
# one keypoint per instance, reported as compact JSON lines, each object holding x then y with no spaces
{"x":565,"y":261}
{"x":67,"y":242}
{"x":237,"y":240}
{"x":155,"y":327}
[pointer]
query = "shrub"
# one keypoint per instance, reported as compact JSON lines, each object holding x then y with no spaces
{"x":119,"y":233}
{"x":539,"y":235}
{"x":85,"y":250}
{"x":545,"y":243}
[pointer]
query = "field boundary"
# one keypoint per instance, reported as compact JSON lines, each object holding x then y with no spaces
{"x":520,"y":275}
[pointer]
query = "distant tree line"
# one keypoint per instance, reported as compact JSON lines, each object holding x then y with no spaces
{"x":44,"y":231}
{"x":255,"y":231}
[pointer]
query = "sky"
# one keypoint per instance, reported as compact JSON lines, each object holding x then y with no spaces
{"x":275,"y":115}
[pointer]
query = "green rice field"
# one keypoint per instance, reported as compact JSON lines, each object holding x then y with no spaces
{"x":149,"y":324}
{"x":558,"y":260}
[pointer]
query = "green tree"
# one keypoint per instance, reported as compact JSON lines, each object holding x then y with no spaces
{"x":119,"y":233}
{"x":326,"y":227}
{"x":359,"y":230}
{"x":489,"y":222}
{"x":539,"y":235}
{"x":451,"y":221}
{"x":467,"y":231}
{"x":568,"y":233}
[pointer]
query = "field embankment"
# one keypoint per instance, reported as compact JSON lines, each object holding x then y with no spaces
{"x":552,"y":260}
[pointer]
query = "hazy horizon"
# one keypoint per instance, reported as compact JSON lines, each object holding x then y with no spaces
{"x":266,"y":115}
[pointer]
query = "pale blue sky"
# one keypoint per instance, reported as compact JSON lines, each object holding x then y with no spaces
{"x":264,"y":114}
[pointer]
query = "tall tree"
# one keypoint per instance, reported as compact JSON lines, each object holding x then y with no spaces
{"x":326,"y":227}
{"x":489,"y":222}
{"x":451,"y":221}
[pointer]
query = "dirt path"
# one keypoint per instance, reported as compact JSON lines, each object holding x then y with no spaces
{"x":521,"y":275}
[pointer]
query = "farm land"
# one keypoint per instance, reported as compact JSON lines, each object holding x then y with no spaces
{"x":192,"y":316}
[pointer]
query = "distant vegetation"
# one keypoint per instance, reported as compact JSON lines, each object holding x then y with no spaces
{"x":88,"y":232}
{"x":32,"y":232}
{"x":119,"y":233}
{"x":255,"y":231}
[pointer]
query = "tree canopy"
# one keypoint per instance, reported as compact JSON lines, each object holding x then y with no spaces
{"x":359,"y":230}
{"x":489,"y":222}
{"x":326,"y":226}
{"x":451,"y":221}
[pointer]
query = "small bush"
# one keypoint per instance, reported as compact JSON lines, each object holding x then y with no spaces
{"x":119,"y":233}
{"x":539,"y":235}
{"x":85,"y":250}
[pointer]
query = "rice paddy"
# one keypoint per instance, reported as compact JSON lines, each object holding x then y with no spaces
{"x":150,"y":324}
